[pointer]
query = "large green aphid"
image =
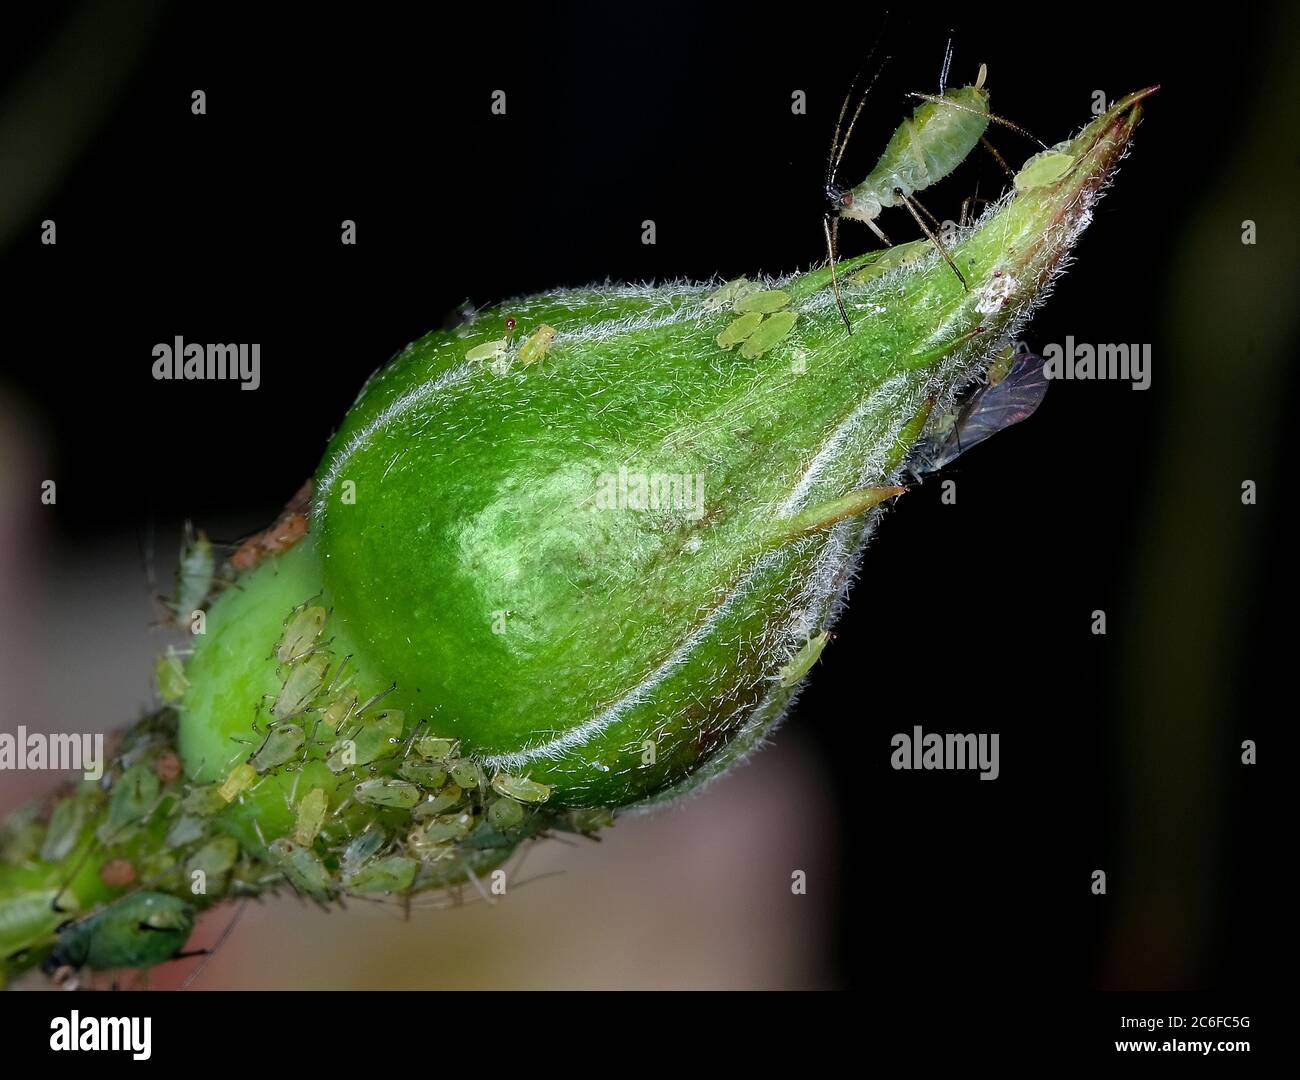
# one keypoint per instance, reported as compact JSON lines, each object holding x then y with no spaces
{"x":536,"y":593}
{"x":140,"y":930}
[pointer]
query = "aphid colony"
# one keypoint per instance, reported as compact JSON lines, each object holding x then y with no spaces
{"x":761,"y":322}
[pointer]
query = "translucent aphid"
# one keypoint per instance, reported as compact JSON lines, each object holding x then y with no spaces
{"x":300,"y":686}
{"x":375,"y":738}
{"x":434,"y":749}
{"x":302,"y":866}
{"x":337,"y":712}
{"x":205,"y":800}
{"x":187,"y":828}
{"x":737,"y":330}
{"x":520,"y":788}
{"x":989,"y":409}
{"x":301,"y":629}
{"x":537,"y":345}
{"x":361,"y":849}
{"x":283,"y":743}
{"x":169,"y":674}
{"x":64,"y":830}
{"x":137,"y":931}
{"x":769,"y":334}
{"x":381,"y":791}
{"x":802,"y":661}
{"x":194,"y":575}
{"x":443,"y":829}
{"x":310,"y":816}
{"x":764,"y":302}
{"x":215,"y":860}
{"x":505,"y":813}
{"x":241,"y":778}
{"x":489,"y":350}
{"x":727,"y":295}
{"x":135,"y":793}
{"x":437,"y":804}
{"x":393,"y":873}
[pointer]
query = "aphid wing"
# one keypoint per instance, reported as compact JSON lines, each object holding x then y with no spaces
{"x":988,"y":410}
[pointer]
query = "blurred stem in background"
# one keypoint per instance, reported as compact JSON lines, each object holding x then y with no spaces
{"x":1229,"y":324}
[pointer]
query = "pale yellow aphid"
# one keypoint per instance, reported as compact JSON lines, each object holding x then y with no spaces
{"x":240,"y":778}
{"x":489,"y":350}
{"x":537,"y":344}
{"x":311,"y":816}
{"x":170,"y":675}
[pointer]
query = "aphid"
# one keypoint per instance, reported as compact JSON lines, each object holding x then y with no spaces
{"x":240,"y":779}
{"x":489,"y":350}
{"x":429,"y":776}
{"x":194,"y":575}
{"x":727,"y":295}
{"x":336,"y":713}
{"x":64,"y":830}
{"x":301,"y":865}
{"x":206,"y":800}
{"x":300,"y":687}
{"x":520,"y":787}
{"x":301,"y":629}
{"x":1044,"y":168}
{"x":310,"y":817}
{"x":989,"y":409}
{"x":432,"y":748}
{"x":290,"y":527}
{"x":436,"y":804}
{"x":135,"y":793}
{"x":27,"y":918}
{"x":537,"y":344}
{"x":215,"y":859}
{"x":393,"y":873}
{"x":768,"y":335}
{"x":442,"y":829}
{"x":169,"y":673}
{"x":801,"y":663}
{"x":401,"y":794}
{"x":186,"y":829}
{"x":137,"y":931}
{"x":739,"y":329}
{"x":764,"y":302}
{"x":282,"y":743}
{"x":505,"y":813}
{"x":465,"y":773}
{"x":925,"y":148}
{"x":359,"y":852}
{"x":377,"y":737}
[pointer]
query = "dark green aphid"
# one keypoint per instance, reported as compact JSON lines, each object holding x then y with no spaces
{"x":283,"y":743}
{"x":137,"y":931}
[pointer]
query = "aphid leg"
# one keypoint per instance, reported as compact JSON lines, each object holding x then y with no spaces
{"x":898,"y":192}
{"x":934,"y":221}
{"x":997,"y":157}
{"x":831,"y":229}
{"x":879,"y":233}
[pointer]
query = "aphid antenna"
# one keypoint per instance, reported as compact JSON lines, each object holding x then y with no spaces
{"x":911,"y":209}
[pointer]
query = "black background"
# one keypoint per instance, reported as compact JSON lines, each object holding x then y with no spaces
{"x":975,"y":617}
